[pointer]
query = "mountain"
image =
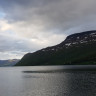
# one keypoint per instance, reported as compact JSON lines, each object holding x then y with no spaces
{"x":78,"y":48}
{"x":10,"y":62}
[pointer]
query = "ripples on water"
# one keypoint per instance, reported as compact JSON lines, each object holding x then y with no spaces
{"x":47,"y":81}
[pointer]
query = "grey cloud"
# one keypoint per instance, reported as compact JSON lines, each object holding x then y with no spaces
{"x":51,"y":19}
{"x":13,"y":47}
{"x":52,"y":14}
{"x":9,"y":43}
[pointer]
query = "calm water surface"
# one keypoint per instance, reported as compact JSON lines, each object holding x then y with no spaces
{"x":47,"y":81}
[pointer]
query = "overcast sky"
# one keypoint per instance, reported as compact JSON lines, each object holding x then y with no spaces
{"x":29,"y":25}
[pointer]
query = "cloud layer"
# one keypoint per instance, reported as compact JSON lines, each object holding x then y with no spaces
{"x":29,"y":25}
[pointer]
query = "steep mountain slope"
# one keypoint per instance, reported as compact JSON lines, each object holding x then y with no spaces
{"x":79,"y":48}
{"x":10,"y":62}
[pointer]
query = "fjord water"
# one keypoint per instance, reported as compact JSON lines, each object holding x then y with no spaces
{"x":48,"y":81}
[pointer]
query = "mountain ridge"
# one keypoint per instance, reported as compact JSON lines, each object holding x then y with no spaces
{"x":78,"y":48}
{"x":9,"y":62}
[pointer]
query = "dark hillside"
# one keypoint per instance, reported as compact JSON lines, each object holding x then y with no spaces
{"x":79,"y":48}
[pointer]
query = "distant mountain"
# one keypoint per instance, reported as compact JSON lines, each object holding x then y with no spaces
{"x":79,"y":48}
{"x":10,"y":62}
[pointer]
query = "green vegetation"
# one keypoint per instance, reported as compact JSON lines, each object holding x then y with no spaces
{"x":76,"y":54}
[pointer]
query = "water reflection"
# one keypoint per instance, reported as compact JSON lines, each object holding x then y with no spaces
{"x":47,"y":81}
{"x":82,"y":83}
{"x":30,"y":76}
